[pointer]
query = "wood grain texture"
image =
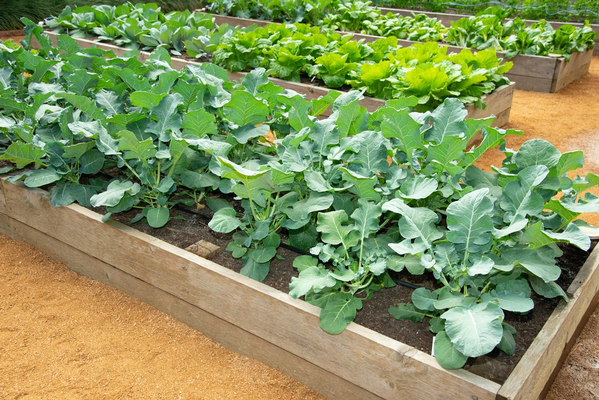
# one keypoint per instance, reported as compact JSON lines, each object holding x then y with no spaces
{"x":533,"y":375}
{"x":576,"y":68}
{"x":379,"y":365}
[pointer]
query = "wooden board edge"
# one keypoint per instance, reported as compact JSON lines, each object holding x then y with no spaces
{"x":221,"y":331}
{"x":568,"y":72}
{"x":532,"y":376}
{"x":311,"y":343}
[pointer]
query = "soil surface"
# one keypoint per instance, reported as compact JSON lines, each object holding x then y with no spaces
{"x":65,"y":336}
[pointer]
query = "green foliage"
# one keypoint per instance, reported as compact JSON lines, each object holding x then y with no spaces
{"x":366,"y":194}
{"x":490,"y":29}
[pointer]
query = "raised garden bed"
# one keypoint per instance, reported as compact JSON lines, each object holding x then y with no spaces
{"x":499,"y":102}
{"x":270,"y":325}
{"x":535,"y":73}
{"x":447,"y":18}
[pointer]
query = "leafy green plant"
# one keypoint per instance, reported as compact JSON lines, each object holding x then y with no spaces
{"x":367,"y":194}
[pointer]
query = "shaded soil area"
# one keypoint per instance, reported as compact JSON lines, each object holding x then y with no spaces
{"x":65,"y":336}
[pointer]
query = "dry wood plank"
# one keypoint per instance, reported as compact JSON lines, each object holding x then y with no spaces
{"x":383,"y":366}
{"x":203,"y":249}
{"x":217,"y":329}
{"x":577,"y":67}
{"x":2,"y":199}
{"x":533,"y":374}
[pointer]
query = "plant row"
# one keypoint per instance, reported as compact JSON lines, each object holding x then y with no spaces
{"x":37,"y":10}
{"x":297,"y":51}
{"x":553,"y":10}
{"x":366,"y":194}
{"x":488,"y":29}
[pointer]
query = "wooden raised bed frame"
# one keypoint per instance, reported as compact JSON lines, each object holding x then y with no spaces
{"x":272,"y":327}
{"x":535,"y":73}
{"x":499,"y":103}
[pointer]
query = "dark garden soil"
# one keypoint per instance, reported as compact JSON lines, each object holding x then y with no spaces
{"x":189,"y":226}
{"x":65,"y":336}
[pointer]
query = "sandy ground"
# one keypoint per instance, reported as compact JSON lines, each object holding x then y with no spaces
{"x":64,"y":336}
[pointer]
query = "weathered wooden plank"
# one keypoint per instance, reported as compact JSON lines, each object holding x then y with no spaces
{"x":383,"y":366}
{"x":2,"y":200}
{"x":576,"y":68}
{"x":203,"y":249}
{"x":532,"y":376}
{"x":227,"y":334}
{"x":500,"y":102}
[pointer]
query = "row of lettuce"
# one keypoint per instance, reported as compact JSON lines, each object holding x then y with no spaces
{"x":489,"y":28}
{"x":298,"y":51}
{"x":554,"y":10}
{"x":368,"y":195}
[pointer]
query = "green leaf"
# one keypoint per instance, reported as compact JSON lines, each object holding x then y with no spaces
{"x":534,"y":262}
{"x":366,"y":217}
{"x":339,"y":311}
{"x":114,"y":193}
{"x":134,"y":149}
{"x":23,"y":154}
{"x":199,"y":123}
{"x":247,"y":132}
{"x":407,"y":311}
{"x":508,"y":343}
{"x":244,"y":109}
{"x":446,"y":353}
{"x":263,"y":254}
{"x":548,"y":290}
{"x":364,"y":186}
{"x":304,"y":262}
{"x":62,"y":194}
{"x":536,"y":237}
{"x":372,"y":156}
{"x":474,"y":330}
{"x":158,"y":217}
{"x":303,"y":208}
{"x":418,"y":224}
{"x":334,"y":231}
{"x":225,"y":220}
{"x":166,"y":116}
{"x":110,"y":101}
{"x":107,"y":144}
{"x":85,"y":104}
{"x":518,"y":198}
{"x":91,"y":162}
{"x":311,"y":278}
{"x":469,"y":220}
{"x":446,"y":120}
{"x":423,"y":299}
{"x":42,"y":177}
{"x":255,"y":270}
{"x":304,"y":237}
{"x":147,"y":100}
{"x":537,"y":152}
{"x":418,"y":187}
{"x":399,"y":125}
